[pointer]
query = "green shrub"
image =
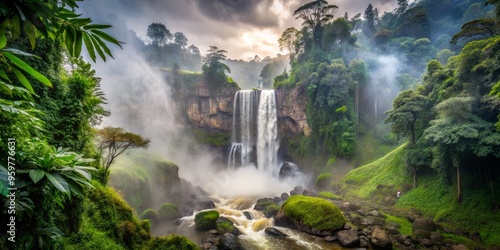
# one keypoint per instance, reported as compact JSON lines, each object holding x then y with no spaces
{"x":150,"y":214}
{"x":206,"y":220}
{"x":316,"y":213}
{"x":168,"y":211}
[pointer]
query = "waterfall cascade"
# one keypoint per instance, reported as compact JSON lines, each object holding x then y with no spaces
{"x":255,"y":131}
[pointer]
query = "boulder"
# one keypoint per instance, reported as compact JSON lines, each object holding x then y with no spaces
{"x":206,"y":220}
{"x":348,"y":238}
{"x":423,"y":224}
{"x":374,"y":213}
{"x":380,"y":239}
{"x":289,"y":170}
{"x":225,"y":225}
{"x":263,"y":203}
{"x":284,"y":196}
{"x":203,"y":205}
{"x":274,"y":232}
{"x":248,"y":215}
{"x":282,"y":221}
{"x":230,"y":241}
{"x":312,"y":215}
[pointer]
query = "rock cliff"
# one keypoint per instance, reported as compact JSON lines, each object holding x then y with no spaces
{"x":292,"y":119}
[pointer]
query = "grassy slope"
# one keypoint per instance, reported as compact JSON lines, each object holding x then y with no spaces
{"x":432,"y":196}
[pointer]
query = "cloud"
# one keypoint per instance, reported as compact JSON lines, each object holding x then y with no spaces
{"x":228,"y":24}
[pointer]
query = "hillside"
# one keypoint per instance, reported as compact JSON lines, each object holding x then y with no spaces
{"x":382,"y":178}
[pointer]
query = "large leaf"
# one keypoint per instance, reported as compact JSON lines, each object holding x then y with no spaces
{"x":58,"y":182}
{"x":24,"y":66}
{"x":36,"y":175}
{"x":88,"y":44}
{"x":23,"y":80}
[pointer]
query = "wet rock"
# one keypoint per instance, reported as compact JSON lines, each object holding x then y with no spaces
{"x":225,"y":225}
{"x":206,"y":205}
{"x":331,"y":238}
{"x":282,"y":221}
{"x":423,"y":224}
{"x":354,"y":206}
{"x":248,"y":215}
{"x":380,"y":239}
{"x":459,"y":247}
{"x":348,"y":238}
{"x":392,"y":230}
{"x":421,"y":234}
{"x":263,"y":203}
{"x":361,"y":212}
{"x":393,"y":224}
{"x":229,"y":241}
{"x":309,"y":193}
{"x":274,"y":232}
{"x":211,"y":240}
{"x":284,"y":196}
{"x":289,"y":170}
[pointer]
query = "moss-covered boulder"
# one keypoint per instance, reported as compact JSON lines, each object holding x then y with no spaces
{"x":150,"y":214}
{"x":206,"y":220}
{"x":312,"y":215}
{"x":323,"y":181}
{"x":168,"y":211}
{"x":171,"y":242}
{"x":268,"y":206}
{"x":225,"y":225}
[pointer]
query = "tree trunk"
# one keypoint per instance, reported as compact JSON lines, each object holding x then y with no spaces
{"x":456,"y":163}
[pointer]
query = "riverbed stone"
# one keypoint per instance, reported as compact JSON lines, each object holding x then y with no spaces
{"x":230,"y":241}
{"x":380,"y":239}
{"x":423,"y":224}
{"x":274,"y":232}
{"x":348,"y":238}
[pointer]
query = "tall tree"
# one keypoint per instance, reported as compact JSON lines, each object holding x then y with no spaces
{"x":159,"y":34}
{"x":402,"y":7}
{"x":315,"y":15}
{"x":213,"y":67}
{"x":288,"y":41}
{"x":371,"y":17}
{"x":180,"y":39}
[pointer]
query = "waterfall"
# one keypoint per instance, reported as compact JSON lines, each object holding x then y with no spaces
{"x":243,"y":137}
{"x":267,"y":140}
{"x":255,"y":131}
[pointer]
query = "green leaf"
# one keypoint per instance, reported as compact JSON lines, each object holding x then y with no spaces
{"x":15,"y":27}
{"x":58,"y":182}
{"x":78,"y":43}
{"x":97,"y":26}
{"x":103,"y":45}
{"x":3,"y":39}
{"x":30,"y":31}
{"x":107,"y":37}
{"x":23,"y":80}
{"x":69,"y":40}
{"x":24,"y":66}
{"x":75,"y":188}
{"x":36,"y":175}
{"x":19,"y":52}
{"x":3,"y":75}
{"x":88,"y":44}
{"x":98,"y":48}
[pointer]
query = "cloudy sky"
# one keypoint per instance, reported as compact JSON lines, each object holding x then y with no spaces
{"x":244,"y":28}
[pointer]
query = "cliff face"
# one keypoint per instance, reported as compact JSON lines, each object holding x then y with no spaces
{"x":291,"y":105}
{"x":210,"y":111}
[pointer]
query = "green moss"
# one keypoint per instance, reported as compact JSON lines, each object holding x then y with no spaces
{"x":271,"y":210}
{"x":329,"y":195}
{"x":314,"y":212}
{"x":404,"y":223}
{"x":323,"y":180}
{"x":171,"y":242}
{"x":168,"y":211}
{"x":206,"y":220}
{"x":150,"y":214}
{"x":212,"y":138}
{"x":388,"y":170}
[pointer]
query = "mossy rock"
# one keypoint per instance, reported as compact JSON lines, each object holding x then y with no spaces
{"x":323,"y":180}
{"x":271,"y":210}
{"x":168,"y":211}
{"x":315,"y":213}
{"x":150,"y":214}
{"x":329,"y":195}
{"x":171,"y":242}
{"x":206,"y":220}
{"x":225,"y":225}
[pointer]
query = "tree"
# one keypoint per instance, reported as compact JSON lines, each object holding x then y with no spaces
{"x":194,"y":50}
{"x":402,"y":7}
{"x":315,"y":15}
{"x":180,"y":39}
{"x":159,"y":34}
{"x":112,"y":142}
{"x":213,"y":68}
{"x":371,"y":17}
{"x":288,"y":41}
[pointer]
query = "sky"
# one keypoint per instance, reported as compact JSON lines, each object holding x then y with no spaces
{"x":244,"y":28}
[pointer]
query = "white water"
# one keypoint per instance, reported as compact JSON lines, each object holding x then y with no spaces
{"x":255,"y":131}
{"x":267,"y":128}
{"x":243,"y":140}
